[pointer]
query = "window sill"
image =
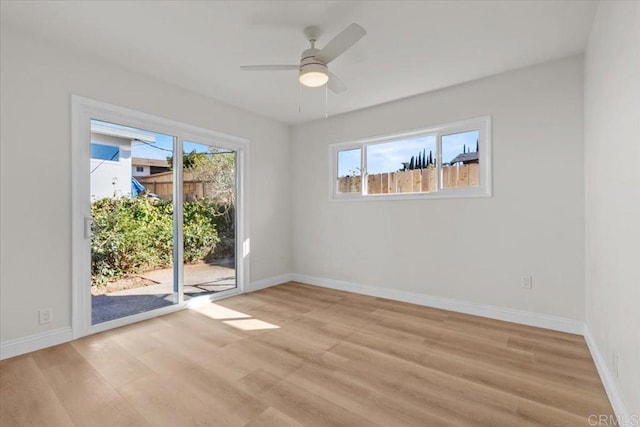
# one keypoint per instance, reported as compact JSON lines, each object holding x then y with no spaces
{"x":442,"y":194}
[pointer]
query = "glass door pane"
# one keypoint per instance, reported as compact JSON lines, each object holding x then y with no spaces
{"x":131,"y":181}
{"x":209,"y":219}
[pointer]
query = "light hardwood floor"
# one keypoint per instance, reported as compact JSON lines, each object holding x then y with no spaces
{"x":296,"y":355}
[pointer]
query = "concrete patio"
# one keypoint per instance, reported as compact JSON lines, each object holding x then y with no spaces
{"x":199,"y":279}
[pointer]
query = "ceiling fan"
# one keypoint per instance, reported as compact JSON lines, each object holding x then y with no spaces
{"x":313,"y":62}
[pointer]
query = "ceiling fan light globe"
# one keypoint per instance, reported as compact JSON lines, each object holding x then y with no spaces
{"x":314,"y":78}
{"x":312,"y":73}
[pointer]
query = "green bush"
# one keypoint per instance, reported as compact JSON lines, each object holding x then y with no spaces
{"x":130,"y":236}
{"x":200,"y":231}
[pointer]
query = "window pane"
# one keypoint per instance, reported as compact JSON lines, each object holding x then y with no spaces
{"x":460,"y":160}
{"x":404,"y":166}
{"x":349,"y":171}
{"x":105,"y":152}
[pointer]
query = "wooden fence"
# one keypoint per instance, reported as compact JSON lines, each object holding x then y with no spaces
{"x":162,"y":185}
{"x":413,"y":181}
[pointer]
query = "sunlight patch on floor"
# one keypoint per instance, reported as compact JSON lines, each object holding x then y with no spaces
{"x":218,"y":312}
{"x":251,"y":324}
{"x":236,"y":319}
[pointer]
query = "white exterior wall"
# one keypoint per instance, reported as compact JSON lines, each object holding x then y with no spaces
{"x":111,"y":178}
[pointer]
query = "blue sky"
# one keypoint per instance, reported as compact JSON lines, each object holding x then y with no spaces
{"x":163,"y":143}
{"x":388,"y":156}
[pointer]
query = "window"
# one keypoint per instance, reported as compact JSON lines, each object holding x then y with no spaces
{"x":450,"y":160}
{"x":105,"y":152}
{"x":139,"y":168}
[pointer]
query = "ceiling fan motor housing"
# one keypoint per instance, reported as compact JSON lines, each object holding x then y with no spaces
{"x":309,"y":64}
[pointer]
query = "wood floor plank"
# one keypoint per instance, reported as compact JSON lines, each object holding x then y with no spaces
{"x":339,"y":387}
{"x":454,"y":359}
{"x":231,"y":402}
{"x":26,"y":399}
{"x":56,"y":355}
{"x":88,"y":398}
{"x":136,"y":338}
{"x":158,"y":399}
{"x":310,"y":409}
{"x":257,"y":382}
{"x":271,"y":417}
{"x":161,"y":361}
{"x":109,"y":359}
{"x":295,"y":355}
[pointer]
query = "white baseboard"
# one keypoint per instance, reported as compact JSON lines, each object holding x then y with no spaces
{"x":555,"y":323}
{"x":268,"y":282}
{"x":608,"y":380}
{"x":16,"y":347}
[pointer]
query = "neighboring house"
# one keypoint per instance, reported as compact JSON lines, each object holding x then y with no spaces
{"x":111,"y":158}
{"x":465,"y":158}
{"x":145,"y":167}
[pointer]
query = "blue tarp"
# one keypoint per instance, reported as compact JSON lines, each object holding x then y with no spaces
{"x":136,"y":188}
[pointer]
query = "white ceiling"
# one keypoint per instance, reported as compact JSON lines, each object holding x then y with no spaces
{"x":411,"y":47}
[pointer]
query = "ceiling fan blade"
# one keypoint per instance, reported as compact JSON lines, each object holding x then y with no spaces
{"x":335,"y":84}
{"x":269,"y":67}
{"x":340,"y":43}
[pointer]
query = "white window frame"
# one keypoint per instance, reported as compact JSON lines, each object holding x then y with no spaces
{"x":82,"y":111}
{"x":481,"y":124}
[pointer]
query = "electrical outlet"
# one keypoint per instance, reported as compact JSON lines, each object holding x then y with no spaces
{"x":616,"y":364}
{"x":45,"y":315}
{"x":527,"y":282}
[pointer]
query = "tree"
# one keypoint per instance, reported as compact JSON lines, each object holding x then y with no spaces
{"x":419,"y":161}
{"x":189,"y":160}
{"x":477,"y":145}
{"x":217,"y":169}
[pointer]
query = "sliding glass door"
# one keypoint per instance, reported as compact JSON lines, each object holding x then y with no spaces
{"x":160,"y":216}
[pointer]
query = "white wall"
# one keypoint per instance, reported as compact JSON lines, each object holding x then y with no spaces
{"x":37,"y":80}
{"x":468,"y":249}
{"x":109,"y":178}
{"x":612,"y":171}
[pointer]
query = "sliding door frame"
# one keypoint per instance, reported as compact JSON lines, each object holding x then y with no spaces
{"x":82,"y":111}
